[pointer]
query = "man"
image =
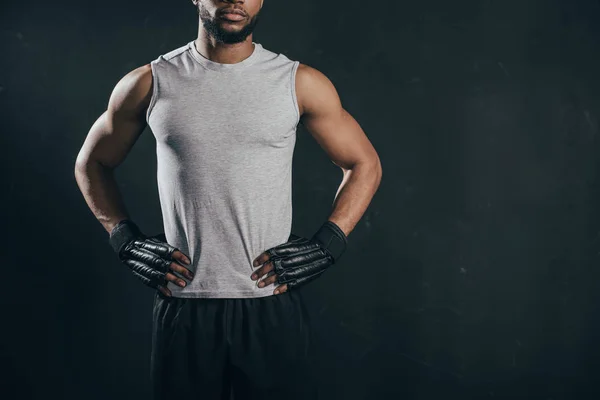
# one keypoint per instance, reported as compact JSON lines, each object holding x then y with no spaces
{"x":224,"y":111}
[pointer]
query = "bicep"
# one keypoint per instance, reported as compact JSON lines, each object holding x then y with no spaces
{"x":324,"y":117}
{"x":115,"y":132}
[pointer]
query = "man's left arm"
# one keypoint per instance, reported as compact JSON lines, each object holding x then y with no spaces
{"x":344,"y":141}
{"x":301,"y":260}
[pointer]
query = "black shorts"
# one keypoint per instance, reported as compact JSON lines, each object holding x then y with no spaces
{"x":255,"y":348}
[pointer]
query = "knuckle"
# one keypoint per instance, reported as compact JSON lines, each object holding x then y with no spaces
{"x":170,"y":277}
{"x":176,"y":267}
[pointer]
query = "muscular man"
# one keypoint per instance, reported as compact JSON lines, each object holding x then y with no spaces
{"x":224,"y":111}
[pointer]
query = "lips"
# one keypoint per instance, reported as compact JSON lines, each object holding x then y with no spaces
{"x":232,"y":14}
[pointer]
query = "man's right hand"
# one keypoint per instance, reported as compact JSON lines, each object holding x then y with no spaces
{"x":151,"y":259}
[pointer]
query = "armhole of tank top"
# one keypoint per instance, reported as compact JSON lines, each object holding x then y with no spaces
{"x":293,"y":86}
{"x":154,"y":91}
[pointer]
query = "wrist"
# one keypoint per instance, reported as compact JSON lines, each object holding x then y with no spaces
{"x":123,"y":233}
{"x":332,"y":239}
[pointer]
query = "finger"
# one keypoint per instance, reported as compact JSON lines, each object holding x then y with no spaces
{"x":149,"y":258}
{"x":146,"y":273}
{"x":172,"y":278}
{"x":267,"y":281}
{"x":147,"y":281}
{"x":182,"y":270}
{"x":163,"y":249}
{"x":317,"y":255}
{"x":262,"y":270}
{"x":166,"y":292}
{"x":281,"y":289}
{"x":295,"y":247}
{"x":169,"y":251}
{"x":261,"y":259}
{"x":289,"y":271}
{"x":182,"y":258}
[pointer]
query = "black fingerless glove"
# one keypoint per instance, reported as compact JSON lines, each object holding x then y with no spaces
{"x":300,"y":260}
{"x":149,"y":258}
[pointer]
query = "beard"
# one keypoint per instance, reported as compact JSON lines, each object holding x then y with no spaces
{"x":214,"y":29}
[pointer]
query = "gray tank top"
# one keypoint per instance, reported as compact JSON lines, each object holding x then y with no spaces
{"x":225,"y":136}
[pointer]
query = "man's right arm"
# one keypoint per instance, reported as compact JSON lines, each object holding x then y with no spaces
{"x":107,"y":144}
{"x":109,"y":141}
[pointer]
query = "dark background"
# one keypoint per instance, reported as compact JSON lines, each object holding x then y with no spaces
{"x":474,"y":272}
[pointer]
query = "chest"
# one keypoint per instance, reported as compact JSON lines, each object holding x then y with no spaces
{"x":234,"y":112}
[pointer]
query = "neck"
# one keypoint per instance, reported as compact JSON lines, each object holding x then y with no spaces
{"x":222,"y":52}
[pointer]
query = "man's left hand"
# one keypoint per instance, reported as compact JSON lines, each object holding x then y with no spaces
{"x":300,"y":260}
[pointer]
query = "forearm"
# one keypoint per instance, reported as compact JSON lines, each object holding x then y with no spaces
{"x":354,"y":194}
{"x":101,"y":192}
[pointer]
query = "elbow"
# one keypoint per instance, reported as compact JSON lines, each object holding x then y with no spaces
{"x":86,"y":166}
{"x":370,"y":168}
{"x":80,"y":164}
{"x":378,"y":172}
{"x":375,"y":171}
{"x":81,"y":168}
{"x":374,"y":166}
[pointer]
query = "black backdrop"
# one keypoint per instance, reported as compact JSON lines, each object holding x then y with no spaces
{"x":473,"y":274}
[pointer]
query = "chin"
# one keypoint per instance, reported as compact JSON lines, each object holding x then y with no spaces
{"x":231,"y":26}
{"x":230,"y":30}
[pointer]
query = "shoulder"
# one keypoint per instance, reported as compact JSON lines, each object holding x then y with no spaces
{"x":134,"y":90}
{"x":138,"y":83}
{"x":307,"y":75}
{"x":314,"y":89}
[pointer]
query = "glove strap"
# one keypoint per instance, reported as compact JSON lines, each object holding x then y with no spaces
{"x":123,"y":233}
{"x":332,"y":239}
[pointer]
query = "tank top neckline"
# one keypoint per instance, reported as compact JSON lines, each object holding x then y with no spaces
{"x":216,"y":66}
